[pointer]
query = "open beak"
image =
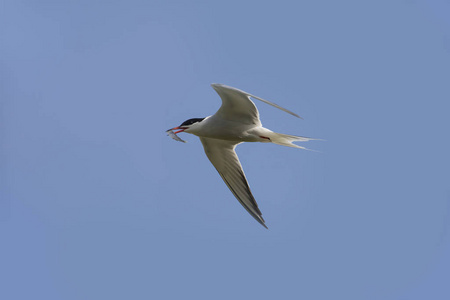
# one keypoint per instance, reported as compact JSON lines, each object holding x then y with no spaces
{"x":180,"y":129}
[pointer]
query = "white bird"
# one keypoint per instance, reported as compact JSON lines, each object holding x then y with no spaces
{"x":236,"y":121}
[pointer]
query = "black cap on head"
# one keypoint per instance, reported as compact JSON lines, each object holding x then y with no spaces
{"x":191,"y":121}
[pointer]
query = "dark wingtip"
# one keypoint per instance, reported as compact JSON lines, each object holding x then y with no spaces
{"x":260,"y":220}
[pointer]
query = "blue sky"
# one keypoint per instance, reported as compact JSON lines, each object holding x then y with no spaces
{"x":98,"y":203}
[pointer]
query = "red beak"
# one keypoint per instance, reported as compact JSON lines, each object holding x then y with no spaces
{"x":181,"y":129}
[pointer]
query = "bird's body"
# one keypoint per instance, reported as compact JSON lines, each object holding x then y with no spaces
{"x":236,"y":121}
{"x":218,"y":128}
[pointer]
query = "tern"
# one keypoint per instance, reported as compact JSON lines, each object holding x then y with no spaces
{"x":236,"y":121}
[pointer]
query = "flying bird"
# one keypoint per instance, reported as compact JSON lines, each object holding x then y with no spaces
{"x":236,"y":121}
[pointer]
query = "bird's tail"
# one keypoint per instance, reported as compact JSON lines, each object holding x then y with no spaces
{"x":287,"y":140}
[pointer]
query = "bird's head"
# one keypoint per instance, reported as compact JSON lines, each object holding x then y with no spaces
{"x":188,"y":125}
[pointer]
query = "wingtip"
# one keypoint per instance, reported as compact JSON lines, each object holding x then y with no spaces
{"x":295,"y":115}
{"x":261,"y":221}
{"x":214,"y":85}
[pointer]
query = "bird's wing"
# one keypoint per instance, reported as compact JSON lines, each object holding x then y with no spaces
{"x":236,"y":105}
{"x":222,"y":155}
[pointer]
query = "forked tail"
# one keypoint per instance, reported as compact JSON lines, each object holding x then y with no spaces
{"x":287,"y":140}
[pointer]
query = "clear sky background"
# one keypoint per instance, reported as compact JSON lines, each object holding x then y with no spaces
{"x":98,"y":203}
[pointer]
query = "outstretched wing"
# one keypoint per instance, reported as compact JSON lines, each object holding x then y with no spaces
{"x":236,"y":105}
{"x":223,"y":157}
